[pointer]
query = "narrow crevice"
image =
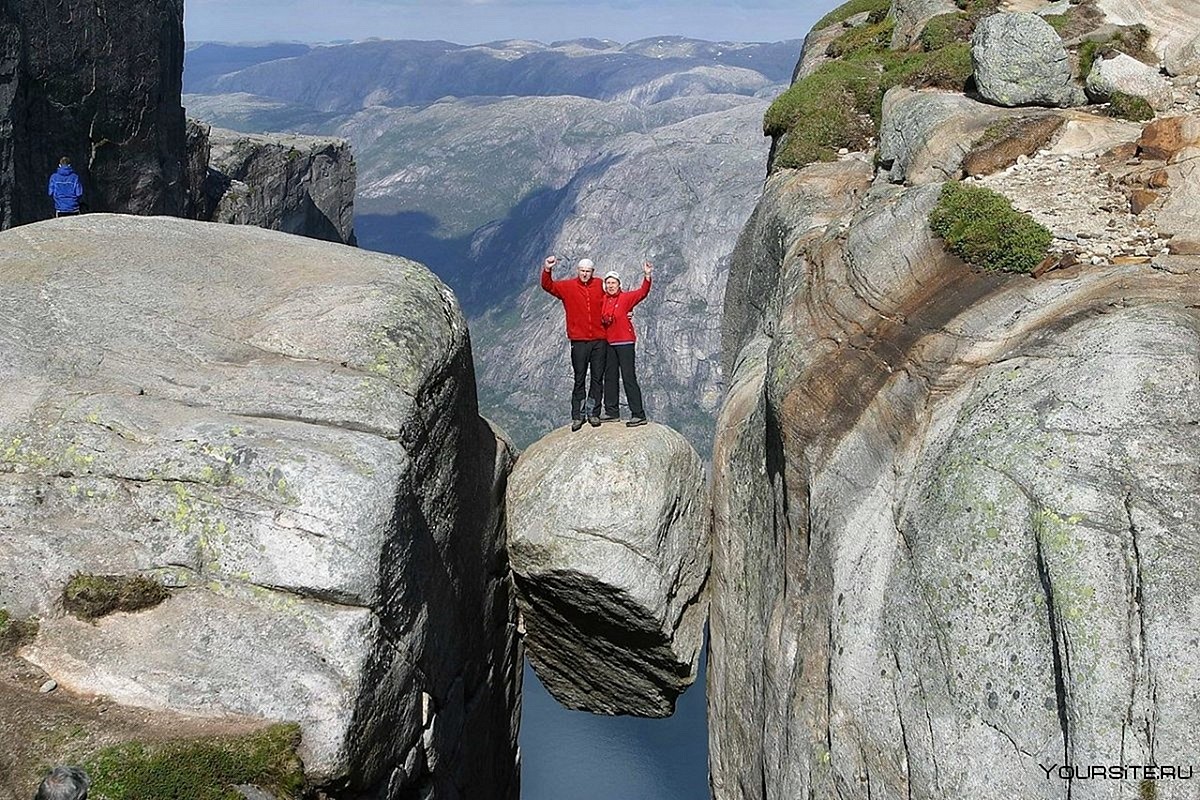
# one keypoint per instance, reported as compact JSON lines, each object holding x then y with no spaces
{"x":903,"y":730}
{"x":1058,"y":651}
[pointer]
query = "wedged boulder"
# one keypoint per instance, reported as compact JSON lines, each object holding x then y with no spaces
{"x":1125,"y":74}
{"x":925,"y":136}
{"x":1020,"y":60}
{"x":608,"y":536}
{"x":284,"y":432}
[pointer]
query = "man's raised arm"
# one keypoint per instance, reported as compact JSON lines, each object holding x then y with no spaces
{"x":547,"y":280}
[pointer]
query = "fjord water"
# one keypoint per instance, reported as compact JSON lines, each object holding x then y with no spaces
{"x":574,"y":755}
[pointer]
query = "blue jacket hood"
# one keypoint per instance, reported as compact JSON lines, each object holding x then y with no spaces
{"x":66,"y":169}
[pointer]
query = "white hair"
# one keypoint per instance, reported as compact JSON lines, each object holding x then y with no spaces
{"x":64,"y":783}
{"x":586,"y":263}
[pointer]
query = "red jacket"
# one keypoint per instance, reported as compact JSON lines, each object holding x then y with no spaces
{"x":582,"y":303}
{"x":618,"y":328}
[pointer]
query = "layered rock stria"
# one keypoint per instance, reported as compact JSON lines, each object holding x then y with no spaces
{"x":952,"y":508}
{"x":101,"y":84}
{"x":609,"y":541}
{"x":285,"y":433}
{"x":284,"y":182}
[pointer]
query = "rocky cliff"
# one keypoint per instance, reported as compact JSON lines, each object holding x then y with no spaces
{"x":953,"y":506}
{"x":100,"y":84}
{"x":280,"y":438}
{"x":284,"y":182}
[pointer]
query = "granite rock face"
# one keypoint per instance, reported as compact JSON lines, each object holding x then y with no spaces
{"x":609,"y":541}
{"x":284,"y":432}
{"x":1125,"y":74}
{"x":925,"y":136}
{"x":948,"y":510}
{"x":285,"y":182}
{"x":1184,"y":58}
{"x":1020,"y":60}
{"x":951,"y":507}
{"x":100,"y":84}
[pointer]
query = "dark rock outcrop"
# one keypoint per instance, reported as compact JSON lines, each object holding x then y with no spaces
{"x":283,"y":182}
{"x":101,"y":84}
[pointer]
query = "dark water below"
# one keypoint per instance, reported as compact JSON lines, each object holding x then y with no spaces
{"x":573,"y":755}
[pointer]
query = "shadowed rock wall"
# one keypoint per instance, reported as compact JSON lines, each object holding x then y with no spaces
{"x":99,"y":83}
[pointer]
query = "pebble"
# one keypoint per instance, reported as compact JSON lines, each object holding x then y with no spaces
{"x":49,"y":686}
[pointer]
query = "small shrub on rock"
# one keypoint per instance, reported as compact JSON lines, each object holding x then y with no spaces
{"x":203,"y":769}
{"x":93,"y":596}
{"x":1131,"y":107}
{"x":982,"y":228}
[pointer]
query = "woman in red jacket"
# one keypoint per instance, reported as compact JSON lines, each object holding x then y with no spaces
{"x":618,"y":330}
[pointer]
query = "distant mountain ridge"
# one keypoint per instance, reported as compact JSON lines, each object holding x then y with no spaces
{"x":346,"y":78}
{"x":479,"y":160}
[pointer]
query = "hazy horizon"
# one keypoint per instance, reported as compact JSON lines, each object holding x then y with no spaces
{"x":473,"y":22}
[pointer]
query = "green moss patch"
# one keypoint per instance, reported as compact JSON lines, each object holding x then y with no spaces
{"x":1131,"y":107}
{"x":201,"y":769}
{"x":840,"y":103}
{"x":828,"y":110}
{"x":982,"y":228}
{"x":853,"y":8}
{"x":93,"y":596}
{"x":15,"y":632}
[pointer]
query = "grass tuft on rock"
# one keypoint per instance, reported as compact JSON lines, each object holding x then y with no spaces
{"x":15,"y":633}
{"x":1130,"y":107}
{"x":982,"y":228}
{"x":201,"y":769}
{"x":840,"y":103}
{"x":828,"y":110}
{"x":853,"y":8}
{"x":93,"y":596}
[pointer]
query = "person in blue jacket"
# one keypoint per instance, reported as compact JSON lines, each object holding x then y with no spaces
{"x":65,"y":188}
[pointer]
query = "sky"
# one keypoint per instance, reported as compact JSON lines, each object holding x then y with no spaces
{"x":475,"y":21}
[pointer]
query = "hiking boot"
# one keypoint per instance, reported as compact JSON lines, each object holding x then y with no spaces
{"x":594,"y":422}
{"x":636,"y":422}
{"x":576,"y":424}
{"x":611,"y":418}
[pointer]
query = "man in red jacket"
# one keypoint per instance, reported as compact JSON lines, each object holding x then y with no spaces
{"x":582,"y":298}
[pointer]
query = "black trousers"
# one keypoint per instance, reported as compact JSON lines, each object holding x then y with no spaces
{"x":585,"y":355}
{"x":620,"y":360}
